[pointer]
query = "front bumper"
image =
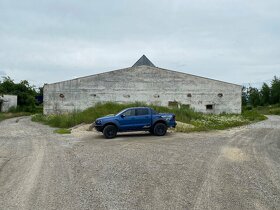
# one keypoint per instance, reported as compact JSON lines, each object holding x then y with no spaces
{"x":99,"y":128}
{"x":173,"y":125}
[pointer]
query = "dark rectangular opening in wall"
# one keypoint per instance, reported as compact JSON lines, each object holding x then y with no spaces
{"x":185,"y":106}
{"x":173,"y":103}
{"x":209,"y":106}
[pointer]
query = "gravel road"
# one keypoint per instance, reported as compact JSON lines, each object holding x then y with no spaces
{"x":233,"y":169}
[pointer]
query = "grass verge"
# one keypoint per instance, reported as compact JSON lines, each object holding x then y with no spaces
{"x":188,"y":118}
{"x":7,"y":115}
{"x":267,"y":110}
{"x":62,"y":131}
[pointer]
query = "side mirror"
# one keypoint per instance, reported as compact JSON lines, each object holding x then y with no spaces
{"x":122,"y":116}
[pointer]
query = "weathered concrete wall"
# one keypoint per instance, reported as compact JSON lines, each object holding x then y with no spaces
{"x":143,"y":83}
{"x":7,"y":102}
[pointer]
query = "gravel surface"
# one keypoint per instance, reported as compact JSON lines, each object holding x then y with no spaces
{"x":233,"y":169}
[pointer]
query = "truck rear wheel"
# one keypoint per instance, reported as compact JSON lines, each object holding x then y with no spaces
{"x":160,"y":129}
{"x":110,"y":131}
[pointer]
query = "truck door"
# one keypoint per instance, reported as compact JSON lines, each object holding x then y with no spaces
{"x":143,"y":118}
{"x":128,"y":120}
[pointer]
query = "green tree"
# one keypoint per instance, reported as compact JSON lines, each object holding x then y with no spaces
{"x":265,"y":94}
{"x":254,"y":96}
{"x":275,"y":90}
{"x":25,"y":92}
{"x":41,"y":91}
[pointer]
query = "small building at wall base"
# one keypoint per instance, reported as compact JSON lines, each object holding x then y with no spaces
{"x":7,"y":102}
{"x":143,"y":82}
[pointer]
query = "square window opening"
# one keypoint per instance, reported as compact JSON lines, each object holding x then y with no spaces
{"x":209,"y":107}
{"x":173,"y":104}
{"x":185,"y":106}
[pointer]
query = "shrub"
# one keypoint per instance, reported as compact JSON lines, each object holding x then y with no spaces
{"x":275,"y":111}
{"x":253,"y":115}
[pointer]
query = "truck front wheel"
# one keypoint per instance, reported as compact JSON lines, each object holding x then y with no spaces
{"x":110,"y":131}
{"x":160,"y":129}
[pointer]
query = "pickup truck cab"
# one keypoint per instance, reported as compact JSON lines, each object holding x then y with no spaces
{"x":135,"y":119}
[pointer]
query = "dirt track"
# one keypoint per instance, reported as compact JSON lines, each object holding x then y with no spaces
{"x":233,"y":169}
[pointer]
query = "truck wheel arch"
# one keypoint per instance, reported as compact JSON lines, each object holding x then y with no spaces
{"x":110,"y":123}
{"x":159,"y":121}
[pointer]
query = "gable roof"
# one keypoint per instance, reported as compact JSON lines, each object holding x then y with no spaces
{"x":158,"y":68}
{"x":144,"y":61}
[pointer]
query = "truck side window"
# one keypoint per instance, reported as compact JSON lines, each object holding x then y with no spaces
{"x":130,"y":112}
{"x":142,"y":112}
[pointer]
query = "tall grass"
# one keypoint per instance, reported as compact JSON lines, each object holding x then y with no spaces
{"x":253,"y":115}
{"x":100,"y":110}
{"x":198,"y":121}
{"x":267,"y":110}
{"x":275,"y":111}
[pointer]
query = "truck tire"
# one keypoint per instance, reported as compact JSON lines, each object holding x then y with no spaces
{"x":160,"y":129}
{"x":110,"y":131}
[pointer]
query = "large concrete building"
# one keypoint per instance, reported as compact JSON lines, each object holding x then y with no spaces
{"x":143,"y":82}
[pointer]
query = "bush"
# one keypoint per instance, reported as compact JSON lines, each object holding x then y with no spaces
{"x":247,"y":107}
{"x":253,"y":115}
{"x":274,"y":111}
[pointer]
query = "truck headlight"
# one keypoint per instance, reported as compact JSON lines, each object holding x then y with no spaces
{"x":98,"y":122}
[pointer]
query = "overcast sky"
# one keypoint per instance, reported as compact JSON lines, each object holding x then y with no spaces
{"x":54,"y":40}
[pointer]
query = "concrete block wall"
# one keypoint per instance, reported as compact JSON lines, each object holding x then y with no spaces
{"x":147,"y":84}
{"x":7,"y":102}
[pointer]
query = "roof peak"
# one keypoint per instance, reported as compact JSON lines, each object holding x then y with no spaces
{"x":144,"y":61}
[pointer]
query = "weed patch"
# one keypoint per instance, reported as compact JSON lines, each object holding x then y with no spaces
{"x":62,"y":131}
{"x":267,"y":110}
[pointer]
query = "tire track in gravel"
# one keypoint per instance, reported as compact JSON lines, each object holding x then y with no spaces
{"x":208,"y":185}
{"x":245,"y":170}
{"x":232,"y":169}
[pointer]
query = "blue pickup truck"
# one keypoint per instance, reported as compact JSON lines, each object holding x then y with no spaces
{"x":135,"y":119}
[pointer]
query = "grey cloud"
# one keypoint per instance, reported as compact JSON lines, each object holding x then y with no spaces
{"x":48,"y":41}
{"x":2,"y":73}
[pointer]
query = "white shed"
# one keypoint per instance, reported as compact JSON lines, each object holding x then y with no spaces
{"x":7,"y":102}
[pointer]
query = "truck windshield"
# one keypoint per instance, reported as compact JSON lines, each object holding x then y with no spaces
{"x":123,"y":111}
{"x":152,"y":110}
